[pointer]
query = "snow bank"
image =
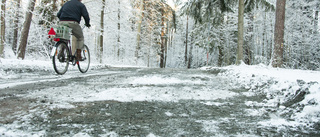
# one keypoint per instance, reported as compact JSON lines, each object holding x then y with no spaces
{"x":12,"y":68}
{"x":296,"y":93}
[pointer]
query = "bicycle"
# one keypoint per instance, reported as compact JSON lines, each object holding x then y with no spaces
{"x":62,"y":51}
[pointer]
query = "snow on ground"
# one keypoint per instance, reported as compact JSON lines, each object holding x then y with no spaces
{"x":282,"y":87}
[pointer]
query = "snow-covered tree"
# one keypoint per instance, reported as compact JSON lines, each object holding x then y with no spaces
{"x":2,"y":27}
{"x":201,"y":32}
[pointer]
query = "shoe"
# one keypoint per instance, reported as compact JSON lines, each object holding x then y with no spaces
{"x":79,"y":57}
{"x":78,"y":54}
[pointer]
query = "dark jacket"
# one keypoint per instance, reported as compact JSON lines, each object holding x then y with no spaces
{"x":73,"y":11}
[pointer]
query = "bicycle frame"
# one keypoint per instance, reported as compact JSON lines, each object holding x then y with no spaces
{"x":70,"y":49}
{"x":63,"y":52}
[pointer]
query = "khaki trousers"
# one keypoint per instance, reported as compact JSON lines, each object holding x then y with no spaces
{"x":77,"y":38}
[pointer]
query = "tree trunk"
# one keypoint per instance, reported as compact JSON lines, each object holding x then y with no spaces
{"x":186,"y":47}
{"x":279,"y":34}
{"x":221,"y":54}
{"x":249,"y":49}
{"x":54,"y":9}
{"x":316,"y":20}
{"x":190,"y":54}
{"x":119,"y":27}
{"x":150,"y":46}
{"x":101,"y":31}
{"x":240,"y":32}
{"x":139,"y":30}
{"x":2,"y":28}
{"x":62,"y":2}
{"x":166,"y":43}
{"x":264,"y":37}
{"x":25,"y":30}
{"x":15,"y":31}
{"x":162,"y":48}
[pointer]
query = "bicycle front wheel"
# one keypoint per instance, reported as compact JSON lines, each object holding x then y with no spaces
{"x":84,"y":62}
{"x":60,"y":58}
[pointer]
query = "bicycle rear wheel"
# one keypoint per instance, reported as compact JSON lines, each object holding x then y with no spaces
{"x":60,"y":58}
{"x":84,"y":63}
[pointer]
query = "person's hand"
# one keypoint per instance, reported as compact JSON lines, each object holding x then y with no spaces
{"x":88,"y":25}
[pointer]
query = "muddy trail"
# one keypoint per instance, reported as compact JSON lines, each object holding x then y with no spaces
{"x":37,"y":108}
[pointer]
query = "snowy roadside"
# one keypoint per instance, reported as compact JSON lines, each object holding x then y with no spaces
{"x":14,"y":72}
{"x":296,"y":93}
{"x":12,"y":68}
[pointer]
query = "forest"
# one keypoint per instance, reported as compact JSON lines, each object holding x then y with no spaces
{"x":174,"y":33}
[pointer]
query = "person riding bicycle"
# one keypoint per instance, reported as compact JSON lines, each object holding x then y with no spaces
{"x":70,"y":15}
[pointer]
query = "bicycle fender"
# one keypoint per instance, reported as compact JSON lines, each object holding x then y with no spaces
{"x":53,"y":51}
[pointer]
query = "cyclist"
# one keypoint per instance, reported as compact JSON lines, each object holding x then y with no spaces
{"x":70,"y":15}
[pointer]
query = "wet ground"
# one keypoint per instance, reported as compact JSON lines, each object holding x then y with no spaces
{"x":237,"y":114}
